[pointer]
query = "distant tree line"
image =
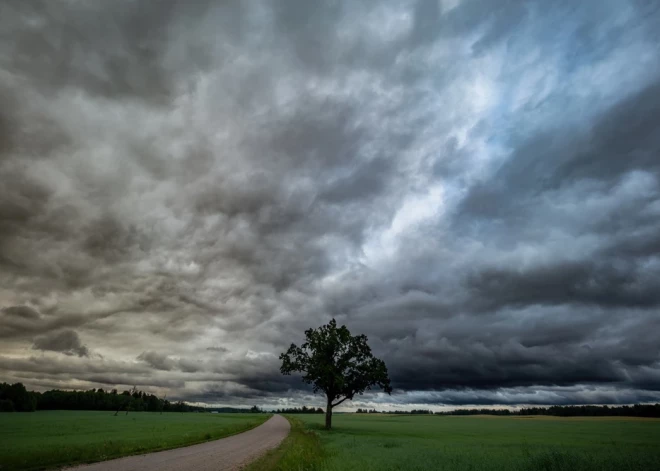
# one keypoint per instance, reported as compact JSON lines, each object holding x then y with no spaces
{"x":406,"y":412}
{"x":480,"y":412}
{"x":15,"y":397}
{"x":234,"y":410}
{"x":300,"y":410}
{"x":637,"y":410}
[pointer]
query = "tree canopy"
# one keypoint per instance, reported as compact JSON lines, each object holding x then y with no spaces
{"x":337,"y":363}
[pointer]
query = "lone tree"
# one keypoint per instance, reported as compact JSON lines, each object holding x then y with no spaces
{"x":337,"y":363}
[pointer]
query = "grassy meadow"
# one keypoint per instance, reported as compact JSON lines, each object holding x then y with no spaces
{"x":388,"y":443}
{"x":47,"y":439}
{"x":358,"y":442}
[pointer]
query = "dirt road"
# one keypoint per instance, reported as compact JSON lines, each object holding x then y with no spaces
{"x":225,"y":454}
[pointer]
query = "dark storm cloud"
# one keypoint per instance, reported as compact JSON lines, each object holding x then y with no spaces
{"x":65,"y":341}
{"x":24,"y":322}
{"x":529,"y":347}
{"x":47,"y":372}
{"x":609,"y":281}
{"x":615,"y":160}
{"x":163,"y":362}
{"x":7,"y":128}
{"x":623,"y":140}
{"x":188,"y":186}
{"x":217,"y":349}
{"x":61,"y":45}
{"x":20,"y":312}
{"x":158,"y":361}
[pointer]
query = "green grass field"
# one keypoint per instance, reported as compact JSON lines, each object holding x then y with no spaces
{"x":358,"y":442}
{"x":52,"y":438}
{"x":384,"y":443}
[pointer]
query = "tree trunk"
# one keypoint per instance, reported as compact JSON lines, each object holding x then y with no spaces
{"x":328,"y":415}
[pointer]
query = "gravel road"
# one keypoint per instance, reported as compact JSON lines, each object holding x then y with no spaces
{"x":225,"y":454}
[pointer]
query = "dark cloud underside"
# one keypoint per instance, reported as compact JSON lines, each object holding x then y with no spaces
{"x":186,"y":187}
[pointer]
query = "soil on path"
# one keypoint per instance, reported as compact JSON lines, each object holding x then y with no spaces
{"x":225,"y":454}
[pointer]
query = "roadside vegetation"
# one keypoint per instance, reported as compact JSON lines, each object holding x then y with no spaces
{"x":50,"y":439}
{"x":300,"y":451}
{"x":430,"y":442}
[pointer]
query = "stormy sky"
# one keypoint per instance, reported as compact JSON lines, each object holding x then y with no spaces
{"x":186,"y":186}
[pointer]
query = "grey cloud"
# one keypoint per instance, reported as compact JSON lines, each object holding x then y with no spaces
{"x":158,"y":361}
{"x":360,"y":183}
{"x":7,"y":127}
{"x":500,"y":25}
{"x":48,"y":372}
{"x":75,"y":35}
{"x":621,"y":141}
{"x":65,"y":341}
{"x":192,"y":185}
{"x":26,"y":322}
{"x":626,"y":133}
{"x":163,"y":362}
{"x":217,"y":349}
{"x":18,"y":319}
{"x":107,"y":239}
{"x":18,"y":312}
{"x":606,"y":282}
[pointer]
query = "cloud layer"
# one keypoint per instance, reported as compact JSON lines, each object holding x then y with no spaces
{"x":186,"y":187}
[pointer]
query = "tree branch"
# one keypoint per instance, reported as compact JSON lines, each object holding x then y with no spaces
{"x":339,"y":402}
